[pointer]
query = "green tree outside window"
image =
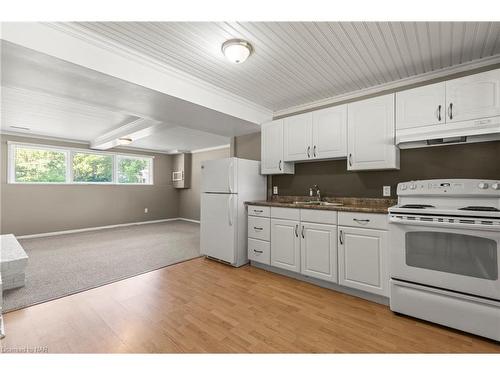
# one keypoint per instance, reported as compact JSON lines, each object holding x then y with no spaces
{"x":39,"y":165}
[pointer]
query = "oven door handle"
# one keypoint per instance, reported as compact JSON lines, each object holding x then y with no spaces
{"x":437,"y":224}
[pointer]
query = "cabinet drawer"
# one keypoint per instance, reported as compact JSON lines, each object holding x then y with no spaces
{"x":363,"y":220}
{"x":259,"y":251}
{"x":259,"y":227}
{"x":285,"y":213}
{"x":259,"y":211}
{"x":318,"y":216}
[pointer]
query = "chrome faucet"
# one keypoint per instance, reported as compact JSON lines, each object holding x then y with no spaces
{"x":318,"y":193}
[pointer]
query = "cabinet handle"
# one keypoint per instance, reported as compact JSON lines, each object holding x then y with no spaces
{"x":439,"y":112}
{"x":450,"y":111}
{"x":279,"y":165}
{"x":259,"y":211}
{"x":303,"y":232}
{"x":257,"y":228}
{"x":308,"y":151}
{"x":258,"y":251}
{"x":350,"y":160}
{"x":314,"y":150}
{"x":341,"y":234}
{"x":296,"y":230}
{"x":361,"y":220}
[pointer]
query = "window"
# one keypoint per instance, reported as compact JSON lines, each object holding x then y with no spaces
{"x":29,"y":163}
{"x":39,"y":165}
{"x":89,"y":167}
{"x":132,"y":170}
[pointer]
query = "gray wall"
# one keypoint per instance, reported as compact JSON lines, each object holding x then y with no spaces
{"x":247,"y":146}
{"x":29,"y":209}
{"x":189,"y":199}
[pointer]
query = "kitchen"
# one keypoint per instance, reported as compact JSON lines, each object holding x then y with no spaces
{"x":335,"y":193}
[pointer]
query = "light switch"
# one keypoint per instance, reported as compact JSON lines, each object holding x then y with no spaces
{"x":386,"y":191}
{"x":275,"y":190}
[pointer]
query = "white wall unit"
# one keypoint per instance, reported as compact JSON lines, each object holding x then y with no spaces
{"x":297,"y":132}
{"x":421,"y":106}
{"x":473,"y":97}
{"x":272,"y":149}
{"x":329,"y":133}
{"x":318,"y":250}
{"x":363,"y":259}
{"x":285,"y":244}
{"x":371,"y":134}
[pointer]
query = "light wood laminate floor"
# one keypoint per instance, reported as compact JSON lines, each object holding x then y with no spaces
{"x":203,"y":306}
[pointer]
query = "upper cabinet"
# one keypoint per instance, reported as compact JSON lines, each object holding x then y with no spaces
{"x":371,"y":134}
{"x":298,"y":137}
{"x":468,"y":98}
{"x":421,"y":106}
{"x":316,"y":135}
{"x":473,"y":97}
{"x":329,"y":133}
{"x":272,"y":149}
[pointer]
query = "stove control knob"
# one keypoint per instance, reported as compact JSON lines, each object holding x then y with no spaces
{"x":482,"y":185}
{"x":495,"y":186}
{"x":403,"y":187}
{"x":413,"y":186}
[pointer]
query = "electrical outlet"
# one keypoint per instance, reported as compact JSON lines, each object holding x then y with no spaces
{"x":275,"y":190}
{"x":386,"y":191}
{"x":146,"y":210}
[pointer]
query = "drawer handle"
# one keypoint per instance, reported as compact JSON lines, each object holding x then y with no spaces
{"x":257,"y":251}
{"x":362,"y":220}
{"x":258,"y":228}
{"x":260,"y":211}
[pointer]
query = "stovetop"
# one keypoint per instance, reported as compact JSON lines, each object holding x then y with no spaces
{"x":480,"y":208}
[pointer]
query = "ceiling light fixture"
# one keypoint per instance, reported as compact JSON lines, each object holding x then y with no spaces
{"x":124,"y":141}
{"x":236,"y":50}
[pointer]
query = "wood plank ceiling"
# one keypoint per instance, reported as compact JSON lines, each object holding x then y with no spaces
{"x":297,"y":63}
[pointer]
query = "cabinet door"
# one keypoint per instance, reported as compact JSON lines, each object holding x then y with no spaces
{"x":298,"y":137}
{"x":363,"y":260}
{"x":272,"y":149}
{"x":330,"y":133}
{"x":473,"y":97}
{"x":422,"y":106}
{"x":285,"y":244}
{"x":371,"y":134}
{"x":318,"y":249}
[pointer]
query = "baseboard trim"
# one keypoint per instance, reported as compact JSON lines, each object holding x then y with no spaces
{"x":58,"y":233}
{"x":190,"y":220}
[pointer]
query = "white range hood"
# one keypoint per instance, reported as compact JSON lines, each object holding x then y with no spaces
{"x":481,"y":130}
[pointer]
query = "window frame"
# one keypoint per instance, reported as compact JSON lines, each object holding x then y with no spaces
{"x":69,"y":154}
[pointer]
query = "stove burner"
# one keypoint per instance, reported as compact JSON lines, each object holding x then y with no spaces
{"x":479,"y":208}
{"x":417,"y":206}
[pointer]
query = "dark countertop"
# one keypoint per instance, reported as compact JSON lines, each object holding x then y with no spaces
{"x":370,"y":205}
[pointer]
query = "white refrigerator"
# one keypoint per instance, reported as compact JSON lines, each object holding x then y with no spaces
{"x":225,"y":185}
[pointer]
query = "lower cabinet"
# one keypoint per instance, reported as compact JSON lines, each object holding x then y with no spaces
{"x":318,"y":248}
{"x":285,"y":244}
{"x":363,"y":259}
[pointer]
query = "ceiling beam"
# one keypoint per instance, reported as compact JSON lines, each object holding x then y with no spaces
{"x":134,"y":130}
{"x":68,"y":42}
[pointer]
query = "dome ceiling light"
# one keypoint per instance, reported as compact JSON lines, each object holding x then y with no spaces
{"x":124,"y":141}
{"x":237,"y":50}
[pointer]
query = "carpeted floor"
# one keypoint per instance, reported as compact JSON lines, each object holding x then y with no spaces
{"x":66,"y":264}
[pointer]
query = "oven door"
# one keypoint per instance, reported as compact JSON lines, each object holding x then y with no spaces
{"x":461,"y":258}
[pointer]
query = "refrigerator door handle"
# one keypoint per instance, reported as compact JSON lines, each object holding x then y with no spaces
{"x":229,"y":176}
{"x":230,"y":210}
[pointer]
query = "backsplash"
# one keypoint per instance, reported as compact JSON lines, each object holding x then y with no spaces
{"x":474,"y":160}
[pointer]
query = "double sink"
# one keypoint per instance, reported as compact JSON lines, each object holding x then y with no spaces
{"x":317,"y":203}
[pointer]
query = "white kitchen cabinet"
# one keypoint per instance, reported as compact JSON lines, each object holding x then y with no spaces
{"x":362,"y":256}
{"x":319,"y":134}
{"x":422,"y":106}
{"x":285,"y":244}
{"x":473,"y":97}
{"x":371,"y":134}
{"x":272,"y":149}
{"x":318,"y":249}
{"x":329,"y":133}
{"x":297,"y":132}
